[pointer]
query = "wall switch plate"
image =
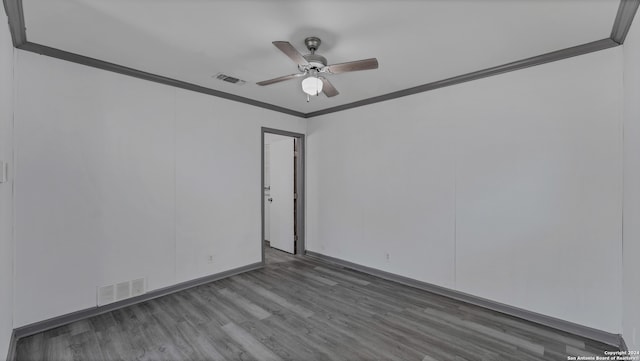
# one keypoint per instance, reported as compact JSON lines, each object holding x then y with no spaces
{"x":4,"y":169}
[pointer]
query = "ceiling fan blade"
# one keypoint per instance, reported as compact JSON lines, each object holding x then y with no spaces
{"x":328,"y":88}
{"x":291,"y":52}
{"x":365,"y":64}
{"x":279,"y":79}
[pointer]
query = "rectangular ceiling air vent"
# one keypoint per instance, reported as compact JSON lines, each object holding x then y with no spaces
{"x":229,"y":79}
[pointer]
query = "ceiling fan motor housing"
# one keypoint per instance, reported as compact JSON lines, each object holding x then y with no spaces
{"x":316,"y":61}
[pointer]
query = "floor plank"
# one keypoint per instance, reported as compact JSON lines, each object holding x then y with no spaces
{"x":298,"y":308}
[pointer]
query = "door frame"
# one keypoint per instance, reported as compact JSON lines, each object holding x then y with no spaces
{"x":299,"y":170}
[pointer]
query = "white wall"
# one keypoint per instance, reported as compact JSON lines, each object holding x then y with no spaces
{"x":120,"y":178}
{"x":6,"y":189}
{"x":631,"y":245}
{"x":508,"y":188}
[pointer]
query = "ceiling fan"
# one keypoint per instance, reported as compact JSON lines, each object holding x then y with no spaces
{"x":312,"y":65}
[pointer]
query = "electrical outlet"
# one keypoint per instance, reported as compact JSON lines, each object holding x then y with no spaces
{"x":210,"y":258}
{"x":388,"y":257}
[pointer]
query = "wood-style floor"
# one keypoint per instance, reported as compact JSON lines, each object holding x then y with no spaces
{"x":300,"y":309}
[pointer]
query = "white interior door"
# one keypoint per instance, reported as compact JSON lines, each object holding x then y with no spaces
{"x":281,"y":208}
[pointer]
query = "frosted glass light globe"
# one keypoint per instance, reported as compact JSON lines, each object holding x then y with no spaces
{"x":312,"y":85}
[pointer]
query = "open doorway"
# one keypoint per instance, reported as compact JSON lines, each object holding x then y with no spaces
{"x":282,"y":191}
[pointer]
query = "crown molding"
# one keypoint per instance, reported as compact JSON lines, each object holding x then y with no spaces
{"x":100,"y":64}
{"x":15,"y":15}
{"x":624,"y":18}
{"x":496,"y":70}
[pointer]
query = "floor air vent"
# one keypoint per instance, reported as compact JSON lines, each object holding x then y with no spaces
{"x":106,"y":294}
{"x":137,"y":287}
{"x":120,"y":291}
{"x":123,"y":290}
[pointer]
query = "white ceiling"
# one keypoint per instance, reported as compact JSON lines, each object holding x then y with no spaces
{"x":416,"y":42}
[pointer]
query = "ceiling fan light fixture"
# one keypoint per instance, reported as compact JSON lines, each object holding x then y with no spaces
{"x":312,"y":85}
{"x":312,"y":64}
